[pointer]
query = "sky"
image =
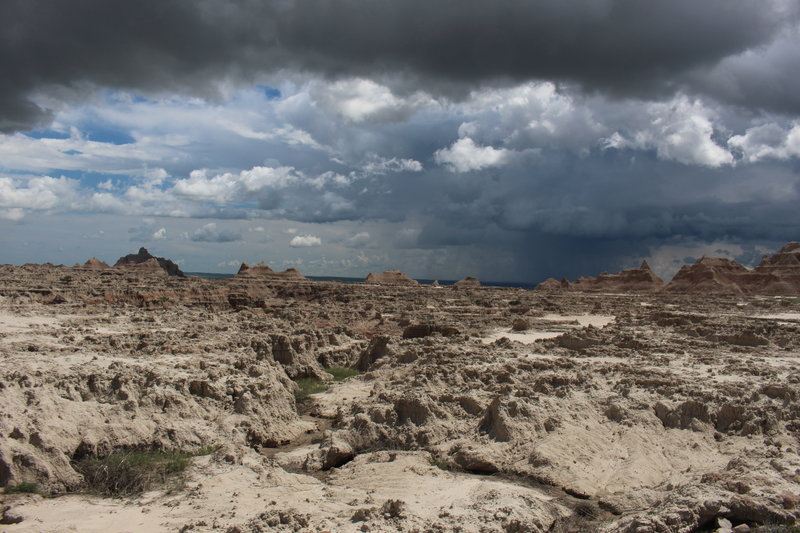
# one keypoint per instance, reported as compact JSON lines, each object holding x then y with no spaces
{"x":512,"y":140}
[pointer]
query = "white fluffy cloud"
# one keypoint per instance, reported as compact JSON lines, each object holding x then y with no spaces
{"x":38,"y":193}
{"x":230,"y":187}
{"x":160,"y":234}
{"x":464,"y":155}
{"x":362,"y":100}
{"x":305,"y":241}
{"x":155,"y":176}
{"x":680,"y":130}
{"x":768,"y":141}
{"x":380,"y":166}
{"x":533,"y":115}
{"x":75,"y":152}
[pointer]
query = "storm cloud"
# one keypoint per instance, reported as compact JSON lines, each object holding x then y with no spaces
{"x":55,"y":52}
{"x":508,"y":139}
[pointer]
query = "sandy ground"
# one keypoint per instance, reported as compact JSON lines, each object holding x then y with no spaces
{"x":217,"y":495}
{"x":535,"y":334}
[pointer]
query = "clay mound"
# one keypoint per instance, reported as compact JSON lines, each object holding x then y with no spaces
{"x":390,"y":277}
{"x":641,"y":279}
{"x":93,"y":263}
{"x":715,"y":275}
{"x":467,"y":283}
{"x":262,"y":271}
{"x":292,"y":273}
{"x":144,"y":260}
{"x":552,"y":284}
{"x":780,"y":273}
{"x":255,"y":270}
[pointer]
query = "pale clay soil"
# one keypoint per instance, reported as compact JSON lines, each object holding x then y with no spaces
{"x":611,"y":412}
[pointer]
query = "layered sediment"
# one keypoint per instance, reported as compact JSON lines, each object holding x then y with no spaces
{"x":389,"y":277}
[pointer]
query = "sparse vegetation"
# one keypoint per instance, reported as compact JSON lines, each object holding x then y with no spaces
{"x":133,"y":471}
{"x":341,"y":373}
{"x":309,"y":386}
{"x":441,"y":464}
{"x":586,"y":510}
{"x":26,"y":487}
{"x":206,"y":450}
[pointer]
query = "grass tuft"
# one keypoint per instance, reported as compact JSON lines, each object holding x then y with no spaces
{"x":206,"y":450}
{"x":309,"y":386}
{"x":133,"y":471}
{"x":26,"y":487}
{"x":341,"y":373}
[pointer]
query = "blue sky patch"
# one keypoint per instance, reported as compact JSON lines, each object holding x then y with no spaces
{"x":107,"y":134}
{"x":270,"y":92}
{"x":47,"y":133}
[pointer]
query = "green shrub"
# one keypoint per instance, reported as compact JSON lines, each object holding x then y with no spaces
{"x":26,"y":487}
{"x":131,"y":472}
{"x":206,"y":450}
{"x":309,"y":386}
{"x":340,"y":373}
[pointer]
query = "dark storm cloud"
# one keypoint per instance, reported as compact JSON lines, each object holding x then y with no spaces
{"x":615,"y":44}
{"x":620,"y":46}
{"x":566,"y":216}
{"x":149,"y":45}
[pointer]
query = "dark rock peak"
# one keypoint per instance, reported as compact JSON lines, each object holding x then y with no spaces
{"x":143,"y":256}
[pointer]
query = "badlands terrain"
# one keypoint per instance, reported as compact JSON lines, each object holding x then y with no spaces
{"x":611,"y":404}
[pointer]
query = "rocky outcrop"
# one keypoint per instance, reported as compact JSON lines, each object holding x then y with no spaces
{"x":552,"y":284}
{"x":778,"y":274}
{"x":93,"y":263}
{"x":641,"y":279}
{"x":259,"y":269}
{"x":390,"y":277}
{"x":376,"y":349}
{"x":262,"y":271}
{"x":419,"y":331}
{"x":781,"y":271}
{"x":715,"y":275}
{"x":467,"y":283}
{"x":144,"y":260}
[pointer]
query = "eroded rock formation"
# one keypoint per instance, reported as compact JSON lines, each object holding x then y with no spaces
{"x":778,"y":274}
{"x":641,"y":279}
{"x":263,"y":271}
{"x":642,"y":412}
{"x":390,"y":277}
{"x":467,"y":283}
{"x":145,"y":261}
{"x":93,"y":263}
